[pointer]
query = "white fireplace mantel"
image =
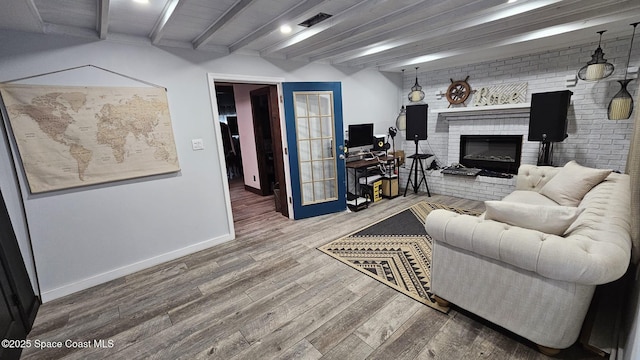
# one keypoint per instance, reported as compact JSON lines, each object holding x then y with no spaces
{"x":512,"y":119}
{"x":464,"y":111}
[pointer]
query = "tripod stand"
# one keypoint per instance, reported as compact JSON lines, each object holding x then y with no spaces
{"x":417,"y":161}
{"x":545,"y":153}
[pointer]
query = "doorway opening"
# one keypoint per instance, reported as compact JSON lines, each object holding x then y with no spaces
{"x":249,"y":120}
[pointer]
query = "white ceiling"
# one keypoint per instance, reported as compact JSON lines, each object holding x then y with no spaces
{"x":385,"y":34}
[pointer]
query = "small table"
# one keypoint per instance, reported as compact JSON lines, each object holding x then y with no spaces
{"x":354,"y":201}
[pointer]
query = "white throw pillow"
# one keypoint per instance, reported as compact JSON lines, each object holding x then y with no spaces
{"x":552,"y":219}
{"x":572,"y":183}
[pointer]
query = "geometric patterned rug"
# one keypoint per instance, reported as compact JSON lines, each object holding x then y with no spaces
{"x":395,"y":251}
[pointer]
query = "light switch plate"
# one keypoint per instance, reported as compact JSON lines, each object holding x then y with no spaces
{"x":197,"y":144}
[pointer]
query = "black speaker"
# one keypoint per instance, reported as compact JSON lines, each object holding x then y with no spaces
{"x":548,"y":116}
{"x":379,"y":144}
{"x":417,"y":122}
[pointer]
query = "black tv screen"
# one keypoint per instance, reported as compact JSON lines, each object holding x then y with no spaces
{"x":360,"y":135}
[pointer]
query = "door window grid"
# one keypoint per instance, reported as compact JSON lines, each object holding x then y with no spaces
{"x":316,"y":160}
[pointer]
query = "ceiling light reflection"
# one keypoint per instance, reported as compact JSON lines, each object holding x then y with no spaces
{"x":285,"y":29}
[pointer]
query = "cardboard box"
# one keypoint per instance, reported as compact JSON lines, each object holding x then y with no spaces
{"x":373,"y":192}
{"x":377,"y":190}
{"x":399,"y":157}
{"x":389,"y":186}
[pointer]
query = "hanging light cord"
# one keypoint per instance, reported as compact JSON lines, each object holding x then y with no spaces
{"x":601,"y":32}
{"x":626,"y":69}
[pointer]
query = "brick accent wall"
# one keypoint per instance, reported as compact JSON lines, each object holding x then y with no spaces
{"x":593,"y":140}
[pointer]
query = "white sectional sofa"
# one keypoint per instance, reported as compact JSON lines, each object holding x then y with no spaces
{"x":531,"y":282}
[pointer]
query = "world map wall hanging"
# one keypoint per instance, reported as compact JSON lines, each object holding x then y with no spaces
{"x":70,"y":136}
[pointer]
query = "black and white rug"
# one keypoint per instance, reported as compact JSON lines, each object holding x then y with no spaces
{"x":395,"y":251}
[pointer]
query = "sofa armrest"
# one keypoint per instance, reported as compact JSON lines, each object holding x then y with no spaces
{"x":574,"y":258}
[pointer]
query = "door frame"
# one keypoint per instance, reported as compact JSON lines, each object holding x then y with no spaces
{"x":212,"y":78}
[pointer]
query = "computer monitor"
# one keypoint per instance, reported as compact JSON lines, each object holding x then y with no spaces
{"x":360,"y":135}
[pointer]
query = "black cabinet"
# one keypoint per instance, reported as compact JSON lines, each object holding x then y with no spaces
{"x":18,"y":302}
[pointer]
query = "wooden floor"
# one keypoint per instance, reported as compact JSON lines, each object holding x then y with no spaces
{"x":269,"y":294}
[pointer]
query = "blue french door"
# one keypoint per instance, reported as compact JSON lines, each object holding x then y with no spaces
{"x":313,"y":116}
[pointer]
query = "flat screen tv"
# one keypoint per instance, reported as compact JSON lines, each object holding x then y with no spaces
{"x":360,"y":135}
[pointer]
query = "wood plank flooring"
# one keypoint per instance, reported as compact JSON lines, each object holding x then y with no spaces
{"x":269,"y":294}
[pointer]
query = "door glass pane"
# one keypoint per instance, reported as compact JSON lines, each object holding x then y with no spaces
{"x":330,"y":189}
{"x":314,"y":126}
{"x":325,"y":104}
{"x":318,"y":189}
{"x":307,"y":193}
{"x":317,"y":160}
{"x":327,"y":126}
{"x":317,"y":169}
{"x":329,"y":170}
{"x":304,"y":150}
{"x":316,"y":149}
{"x":314,"y":105}
{"x":327,"y":150}
{"x":301,"y":104}
{"x":305,"y":172}
{"x":303,"y":130}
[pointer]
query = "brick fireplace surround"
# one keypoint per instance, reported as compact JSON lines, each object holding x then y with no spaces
{"x":449,"y":127}
{"x":593,"y":140}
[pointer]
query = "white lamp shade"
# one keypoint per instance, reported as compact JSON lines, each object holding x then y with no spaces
{"x":401,"y":120}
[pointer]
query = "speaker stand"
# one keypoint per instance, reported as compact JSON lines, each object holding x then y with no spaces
{"x":417,"y":161}
{"x":545,"y":153}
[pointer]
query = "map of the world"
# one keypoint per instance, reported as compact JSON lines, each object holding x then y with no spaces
{"x":74,"y":136}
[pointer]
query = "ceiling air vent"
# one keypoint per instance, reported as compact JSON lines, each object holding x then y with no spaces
{"x":315,"y":19}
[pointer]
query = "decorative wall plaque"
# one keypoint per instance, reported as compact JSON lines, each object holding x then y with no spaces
{"x":514,"y":93}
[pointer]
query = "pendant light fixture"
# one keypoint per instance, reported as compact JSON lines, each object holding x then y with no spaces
{"x":401,"y":120}
{"x":598,"y":67}
{"x":621,"y":106}
{"x":416,"y":93}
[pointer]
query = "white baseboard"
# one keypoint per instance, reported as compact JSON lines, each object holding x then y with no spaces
{"x":49,"y":295}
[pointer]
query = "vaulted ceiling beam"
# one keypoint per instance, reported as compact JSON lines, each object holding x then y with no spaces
{"x":167,"y":14}
{"x":31,"y":5}
{"x":569,"y":30}
{"x":451,"y":38}
{"x":236,"y":9}
{"x":103,"y":18}
{"x":438,"y":26}
{"x":275,"y":24}
{"x":303,"y":35}
{"x":360,"y":29}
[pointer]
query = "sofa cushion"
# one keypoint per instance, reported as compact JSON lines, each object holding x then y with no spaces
{"x":572,"y":182}
{"x":529,"y":197}
{"x":547,"y":219}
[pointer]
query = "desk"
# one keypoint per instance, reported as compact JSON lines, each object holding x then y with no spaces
{"x":354,"y":200}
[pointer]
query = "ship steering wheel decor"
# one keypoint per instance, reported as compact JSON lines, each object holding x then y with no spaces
{"x":458,"y":92}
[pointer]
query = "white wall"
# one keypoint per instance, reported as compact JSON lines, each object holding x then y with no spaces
{"x":593,"y":140}
{"x":86,"y":236}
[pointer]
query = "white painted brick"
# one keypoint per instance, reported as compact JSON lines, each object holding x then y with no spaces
{"x":593,"y":140}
